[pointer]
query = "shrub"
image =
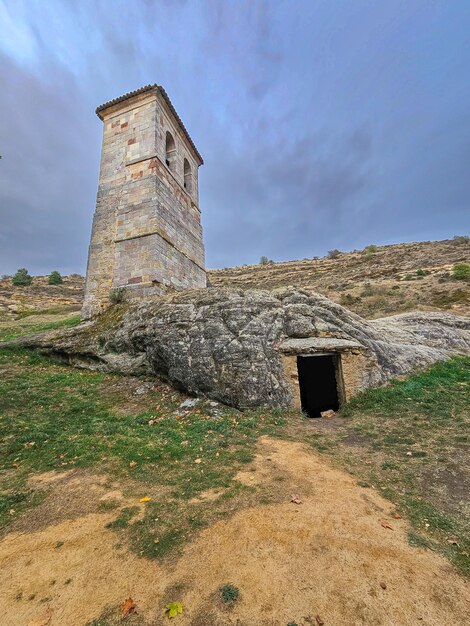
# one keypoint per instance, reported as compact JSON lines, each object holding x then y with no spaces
{"x":22,"y":277}
{"x":55,"y":278}
{"x":421,"y":272}
{"x":229,"y":593}
{"x":334,"y":254}
{"x":372,"y":249}
{"x":408,"y":277}
{"x":459,"y":239}
{"x":264,"y":260}
{"x":461,"y":271}
{"x":368,"y":290}
{"x":348,"y":298}
{"x":117,"y":296}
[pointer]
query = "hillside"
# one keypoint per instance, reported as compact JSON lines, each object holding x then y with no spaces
{"x":40,"y":297}
{"x":372,"y":284}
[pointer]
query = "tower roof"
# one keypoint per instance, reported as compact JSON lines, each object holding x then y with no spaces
{"x":158,"y":89}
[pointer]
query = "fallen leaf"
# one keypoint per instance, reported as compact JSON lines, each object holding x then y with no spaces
{"x":132,"y":464}
{"x":145,"y":499}
{"x":295,"y":499}
{"x":197,"y":460}
{"x":174,"y":608}
{"x":42,"y":621}
{"x":385,"y":524}
{"x":397,"y":516}
{"x":128,"y":607}
{"x":319,"y":620}
{"x":383,"y":585}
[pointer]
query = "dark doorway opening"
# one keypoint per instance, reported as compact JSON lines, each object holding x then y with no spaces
{"x":318,"y":383}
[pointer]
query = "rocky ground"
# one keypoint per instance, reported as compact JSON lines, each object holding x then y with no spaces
{"x":227,"y":344}
{"x":392,"y":279}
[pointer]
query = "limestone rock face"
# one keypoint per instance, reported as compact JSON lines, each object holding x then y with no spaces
{"x":229,"y":344}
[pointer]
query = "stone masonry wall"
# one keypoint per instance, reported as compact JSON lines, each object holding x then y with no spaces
{"x":146,"y":233}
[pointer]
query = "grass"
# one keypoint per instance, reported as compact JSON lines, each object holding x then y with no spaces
{"x":54,"y":417}
{"x":229,"y":593}
{"x":409,"y":440}
{"x":13,"y":330}
{"x":413,"y":435}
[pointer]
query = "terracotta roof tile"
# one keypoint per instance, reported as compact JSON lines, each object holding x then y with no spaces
{"x":165,"y":96}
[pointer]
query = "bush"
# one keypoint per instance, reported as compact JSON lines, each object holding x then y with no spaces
{"x":461,"y":271}
{"x":372,"y":249}
{"x":22,"y":277}
{"x":348,"y":299}
{"x":55,"y":278}
{"x":369,"y":290}
{"x":117,"y":296}
{"x":460,"y":239}
{"x":421,"y":272}
{"x":334,"y":254}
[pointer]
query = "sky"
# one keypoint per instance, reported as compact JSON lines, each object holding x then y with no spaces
{"x":322,"y":124}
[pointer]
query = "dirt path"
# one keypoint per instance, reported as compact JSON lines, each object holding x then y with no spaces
{"x":331,"y":559}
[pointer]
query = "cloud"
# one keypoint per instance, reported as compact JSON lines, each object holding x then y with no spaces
{"x":322,"y":126}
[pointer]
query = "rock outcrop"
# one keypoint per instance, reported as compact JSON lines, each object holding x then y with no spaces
{"x":229,"y":344}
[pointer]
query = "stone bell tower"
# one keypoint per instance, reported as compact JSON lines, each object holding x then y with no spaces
{"x":146,"y":234}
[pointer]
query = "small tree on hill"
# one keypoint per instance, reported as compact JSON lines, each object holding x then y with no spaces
{"x":264,"y":260}
{"x":55,"y":278}
{"x":22,"y":277}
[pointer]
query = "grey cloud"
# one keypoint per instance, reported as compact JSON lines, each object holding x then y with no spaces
{"x":321,"y":126}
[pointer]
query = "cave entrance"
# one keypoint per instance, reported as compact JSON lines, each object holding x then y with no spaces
{"x":318,"y":381}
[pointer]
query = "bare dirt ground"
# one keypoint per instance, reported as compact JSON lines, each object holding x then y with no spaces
{"x":339,"y":558}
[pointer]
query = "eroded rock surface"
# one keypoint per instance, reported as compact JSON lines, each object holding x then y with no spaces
{"x":227,"y":344}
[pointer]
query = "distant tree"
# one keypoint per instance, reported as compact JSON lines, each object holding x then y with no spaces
{"x":22,"y":277}
{"x":334,"y":254}
{"x":264,"y":260}
{"x":55,"y":278}
{"x":372,"y":249}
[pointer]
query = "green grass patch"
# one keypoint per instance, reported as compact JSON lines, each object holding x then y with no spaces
{"x":16,"y":330}
{"x":410,"y":441}
{"x":54,"y":417}
{"x":125,"y":516}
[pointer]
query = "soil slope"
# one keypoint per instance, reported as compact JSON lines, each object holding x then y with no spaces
{"x":370,"y":284}
{"x":40,"y":297}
